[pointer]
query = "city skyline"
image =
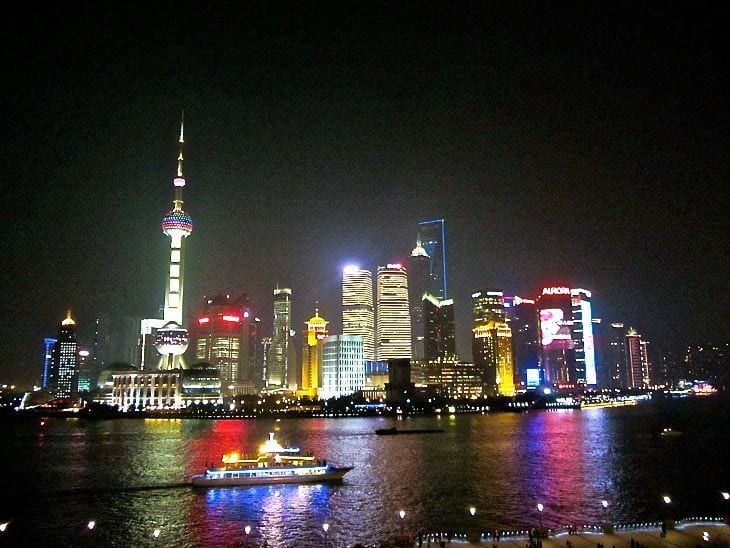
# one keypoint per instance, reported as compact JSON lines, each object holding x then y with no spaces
{"x":582,"y":149}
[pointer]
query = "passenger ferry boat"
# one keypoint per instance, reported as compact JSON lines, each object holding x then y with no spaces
{"x":273,"y":464}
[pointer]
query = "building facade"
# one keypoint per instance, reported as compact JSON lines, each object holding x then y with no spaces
{"x":343,"y":366}
{"x":557,"y":351}
{"x":439,"y":332}
{"x":48,"y":344}
{"x":637,"y":360}
{"x":393,"y":313}
{"x":522,"y":318}
{"x":433,"y":238}
{"x":279,"y":363}
{"x":63,"y":378}
{"x":313,"y":342}
{"x":358,"y":313}
{"x":583,"y":341}
{"x":492,"y":343}
{"x":220,"y":336}
{"x":419,"y":265}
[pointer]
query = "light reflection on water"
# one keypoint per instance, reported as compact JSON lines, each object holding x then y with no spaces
{"x":57,"y":477}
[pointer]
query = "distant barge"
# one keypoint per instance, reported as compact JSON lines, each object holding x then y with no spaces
{"x":394,"y":431}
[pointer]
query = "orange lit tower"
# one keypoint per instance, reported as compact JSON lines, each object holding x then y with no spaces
{"x":312,"y":355}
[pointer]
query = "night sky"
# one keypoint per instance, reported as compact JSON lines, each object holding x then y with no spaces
{"x":583,"y":145}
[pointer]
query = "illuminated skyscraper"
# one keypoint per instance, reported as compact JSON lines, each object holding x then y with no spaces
{"x":615,"y":370}
{"x":583,"y":344}
{"x":393,"y":314}
{"x":637,"y":360}
{"x":220,"y":334}
{"x":312,"y":355}
{"x":171,"y":339}
{"x":84,"y":372}
{"x":343,"y":366}
{"x":433,"y":237}
{"x":522,"y":319}
{"x":64,"y":372}
{"x":278,"y":374}
{"x":557,"y":354}
{"x":418,"y":281}
{"x":358,"y":315}
{"x":48,"y":344}
{"x":492,"y":343}
{"x":439,"y":332}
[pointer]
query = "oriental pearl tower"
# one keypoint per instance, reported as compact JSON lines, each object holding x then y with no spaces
{"x":171,"y":340}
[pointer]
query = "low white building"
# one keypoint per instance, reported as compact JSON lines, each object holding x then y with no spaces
{"x":343,"y":366}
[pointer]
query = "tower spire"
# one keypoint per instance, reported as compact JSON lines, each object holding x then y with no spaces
{"x":181,"y":141}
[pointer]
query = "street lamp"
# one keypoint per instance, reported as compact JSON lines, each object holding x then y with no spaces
{"x":540,"y":508}
{"x":247,"y":530}
{"x":402,"y":515}
{"x":604,"y":503}
{"x":326,"y":527}
{"x":91,"y":525}
{"x":725,"y":495}
{"x":156,"y":533}
{"x":472,"y":511}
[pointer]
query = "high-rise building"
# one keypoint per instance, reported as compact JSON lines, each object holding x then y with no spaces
{"x":84,"y":366}
{"x":265,"y":345}
{"x":343,"y":366}
{"x":358,"y":314}
{"x":253,"y":370}
{"x":488,"y":306}
{"x":492,"y":343}
{"x":221,"y":336}
{"x":171,"y":339}
{"x":278,"y":374}
{"x":433,"y":237}
{"x":48,"y":344}
{"x":312,"y":355}
{"x":64,"y":372}
{"x":418,"y":283}
{"x":614,"y":366}
{"x":439,"y":332}
{"x":557,"y":354}
{"x":149,"y":358}
{"x":582,"y":333}
{"x":393,"y":314}
{"x":522,"y":318}
{"x":637,"y":360}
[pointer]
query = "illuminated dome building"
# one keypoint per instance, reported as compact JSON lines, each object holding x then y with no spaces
{"x":312,"y":355}
{"x":171,"y":340}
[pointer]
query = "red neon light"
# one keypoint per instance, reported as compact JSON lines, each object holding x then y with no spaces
{"x":235,"y":319}
{"x":203,"y":320}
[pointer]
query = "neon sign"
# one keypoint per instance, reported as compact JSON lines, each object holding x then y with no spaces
{"x":556,"y":291}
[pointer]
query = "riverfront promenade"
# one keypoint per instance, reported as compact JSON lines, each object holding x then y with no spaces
{"x":687,"y":535}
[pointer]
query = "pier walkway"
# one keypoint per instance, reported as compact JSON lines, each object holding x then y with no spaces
{"x":685,"y":535}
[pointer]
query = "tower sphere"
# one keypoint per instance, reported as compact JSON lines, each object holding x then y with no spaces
{"x":177,"y":223}
{"x":172,"y":338}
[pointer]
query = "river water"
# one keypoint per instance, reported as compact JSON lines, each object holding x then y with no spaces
{"x":58,"y":476}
